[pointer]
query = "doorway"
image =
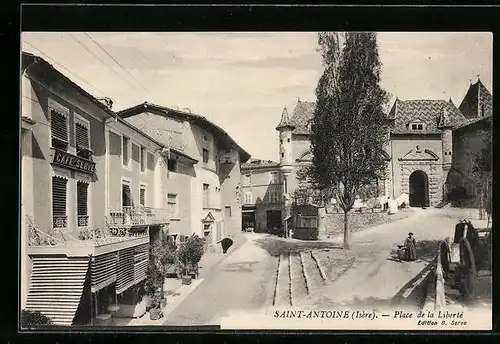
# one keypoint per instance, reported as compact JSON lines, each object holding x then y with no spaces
{"x":419,"y":189}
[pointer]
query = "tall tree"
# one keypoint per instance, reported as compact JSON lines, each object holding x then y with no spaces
{"x":349,"y":128}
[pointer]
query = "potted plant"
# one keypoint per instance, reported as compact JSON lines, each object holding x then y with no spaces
{"x":155,"y":311}
{"x":189,"y":255}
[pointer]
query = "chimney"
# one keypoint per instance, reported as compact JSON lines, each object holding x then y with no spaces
{"x":106,"y":101}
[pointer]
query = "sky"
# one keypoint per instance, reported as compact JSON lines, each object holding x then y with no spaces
{"x":242,"y":80}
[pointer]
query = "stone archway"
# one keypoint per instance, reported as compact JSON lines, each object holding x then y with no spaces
{"x":419,"y":189}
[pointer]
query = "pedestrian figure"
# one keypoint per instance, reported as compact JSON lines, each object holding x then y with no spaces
{"x":411,"y":248}
{"x":226,"y":243}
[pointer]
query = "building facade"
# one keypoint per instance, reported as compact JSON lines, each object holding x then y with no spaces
{"x":422,"y":139}
{"x":471,"y":141}
{"x":261,"y":186}
{"x":84,"y":239}
{"x":203,"y":170}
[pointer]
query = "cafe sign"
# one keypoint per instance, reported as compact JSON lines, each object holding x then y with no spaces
{"x":74,"y":162}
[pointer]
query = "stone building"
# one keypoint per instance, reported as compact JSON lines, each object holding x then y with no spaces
{"x":420,"y":144}
{"x":471,"y":139}
{"x":204,"y":178}
{"x":261,"y":194}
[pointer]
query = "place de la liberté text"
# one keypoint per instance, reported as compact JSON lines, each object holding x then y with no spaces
{"x":424,"y":317}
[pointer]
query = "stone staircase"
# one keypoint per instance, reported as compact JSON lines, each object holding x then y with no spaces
{"x":298,"y":275}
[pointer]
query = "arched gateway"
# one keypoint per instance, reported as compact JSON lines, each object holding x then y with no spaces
{"x":419,"y":189}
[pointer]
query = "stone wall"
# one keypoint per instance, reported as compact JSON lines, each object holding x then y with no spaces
{"x":357,"y":221}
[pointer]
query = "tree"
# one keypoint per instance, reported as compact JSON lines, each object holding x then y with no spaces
{"x":482,"y":172}
{"x":349,"y":128}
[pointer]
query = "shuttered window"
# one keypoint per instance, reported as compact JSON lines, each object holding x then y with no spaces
{"x":143,"y":159}
{"x":142,"y":196}
{"x":59,"y":129}
{"x":82,"y":203}
{"x":125,"y":152}
{"x":82,"y":136}
{"x":59,"y":188}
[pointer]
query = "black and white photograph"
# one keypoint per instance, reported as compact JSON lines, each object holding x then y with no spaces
{"x":257,"y":180}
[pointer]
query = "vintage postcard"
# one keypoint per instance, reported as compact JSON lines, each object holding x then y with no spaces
{"x":256,"y":180}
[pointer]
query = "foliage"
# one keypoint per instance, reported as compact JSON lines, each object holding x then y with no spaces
{"x":162,"y":255}
{"x":482,"y":171}
{"x":190,"y":253}
{"x":31,"y":318}
{"x":367,"y":192}
{"x":349,"y":129}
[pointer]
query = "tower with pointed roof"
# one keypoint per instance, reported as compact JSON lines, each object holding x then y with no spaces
{"x":285,"y":128}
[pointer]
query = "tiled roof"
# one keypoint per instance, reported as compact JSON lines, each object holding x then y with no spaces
{"x":302,"y":114}
{"x":198,"y":119}
{"x":477,"y":97}
{"x":257,"y":163}
{"x":427,"y":112}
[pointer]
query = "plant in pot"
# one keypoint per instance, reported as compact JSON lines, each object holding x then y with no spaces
{"x":153,"y":282}
{"x":155,"y":312}
{"x":189,"y":255}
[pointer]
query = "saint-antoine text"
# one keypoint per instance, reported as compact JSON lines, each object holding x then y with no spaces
{"x":325,"y":314}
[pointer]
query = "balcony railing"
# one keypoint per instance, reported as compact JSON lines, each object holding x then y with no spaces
{"x":83,"y":221}
{"x":82,"y":237}
{"x":60,"y":222}
{"x":138,"y":216}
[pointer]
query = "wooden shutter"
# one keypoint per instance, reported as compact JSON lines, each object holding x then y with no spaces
{"x":125,"y":270}
{"x":103,"y":271}
{"x":58,"y":125}
{"x":82,"y":136}
{"x":143,"y":159}
{"x":82,"y":200}
{"x":141,"y":258}
{"x":125,"y":150}
{"x":59,"y":187}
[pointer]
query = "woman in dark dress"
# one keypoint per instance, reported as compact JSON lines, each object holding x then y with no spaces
{"x":411,"y":248}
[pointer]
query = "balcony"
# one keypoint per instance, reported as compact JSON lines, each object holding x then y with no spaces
{"x":138,"y":216}
{"x":83,"y":241}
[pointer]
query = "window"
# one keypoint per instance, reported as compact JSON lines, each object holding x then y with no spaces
{"x":172,"y":165}
{"x":125,"y":151}
{"x":205,"y":138}
{"x":287,"y":140}
{"x":417,"y":126}
{"x":205,"y":155}
{"x":59,"y":192}
{"x":82,"y":135}
{"x":248,"y":198}
{"x":282,"y":155}
{"x":274,"y":197}
{"x":227,"y":209}
{"x":274,"y":178}
{"x":281,"y":141}
{"x":143,"y":159}
{"x":173,"y":208}
{"x":206,"y":190}
{"x":59,"y":129}
{"x":142,"y":195}
{"x":126,"y":195}
{"x":82,"y":203}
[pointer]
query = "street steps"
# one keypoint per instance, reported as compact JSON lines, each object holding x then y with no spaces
{"x":313,"y":274}
{"x":298,"y":275}
{"x":298,"y":280}
{"x":282,"y":293}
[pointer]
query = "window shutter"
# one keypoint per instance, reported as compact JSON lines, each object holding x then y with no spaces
{"x":59,"y":186}
{"x":125,"y":150}
{"x":82,"y":136}
{"x":143,"y":159}
{"x":81,"y":190}
{"x":58,"y":125}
